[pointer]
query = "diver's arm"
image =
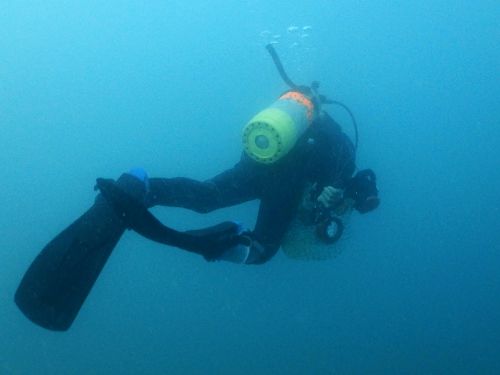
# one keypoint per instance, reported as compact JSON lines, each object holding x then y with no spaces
{"x":276,"y":211}
{"x":257,"y":246}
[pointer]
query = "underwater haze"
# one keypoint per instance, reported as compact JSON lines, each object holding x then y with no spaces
{"x":92,"y":88}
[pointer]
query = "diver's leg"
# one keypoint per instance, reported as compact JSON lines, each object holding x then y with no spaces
{"x":229,"y":188}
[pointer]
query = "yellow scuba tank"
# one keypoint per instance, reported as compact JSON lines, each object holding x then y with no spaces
{"x":273,"y":132}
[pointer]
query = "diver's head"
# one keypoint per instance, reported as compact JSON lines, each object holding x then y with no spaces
{"x":362,"y":189}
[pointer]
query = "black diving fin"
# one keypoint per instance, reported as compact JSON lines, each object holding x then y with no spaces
{"x":60,"y":278}
{"x":58,"y":281}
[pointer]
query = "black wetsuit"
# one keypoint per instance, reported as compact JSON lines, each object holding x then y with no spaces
{"x":324,"y":155}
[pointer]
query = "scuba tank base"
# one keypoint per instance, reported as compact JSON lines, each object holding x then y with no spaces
{"x":273,"y":132}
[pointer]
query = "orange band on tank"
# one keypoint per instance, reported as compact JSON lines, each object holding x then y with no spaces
{"x":301,"y":99}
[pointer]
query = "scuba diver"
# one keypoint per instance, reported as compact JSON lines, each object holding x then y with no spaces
{"x":322,"y":158}
{"x":297,"y":161}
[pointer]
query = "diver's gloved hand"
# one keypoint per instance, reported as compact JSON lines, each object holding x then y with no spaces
{"x":243,"y":250}
{"x":215,"y":241}
{"x":362,"y":189}
{"x":247,"y":252}
{"x":238,"y":253}
{"x":329,"y":196}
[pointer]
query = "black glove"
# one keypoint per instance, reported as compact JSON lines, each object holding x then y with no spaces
{"x":362,"y":188}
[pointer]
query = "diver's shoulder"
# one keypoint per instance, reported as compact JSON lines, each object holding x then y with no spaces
{"x":327,"y":124}
{"x":332,"y":133}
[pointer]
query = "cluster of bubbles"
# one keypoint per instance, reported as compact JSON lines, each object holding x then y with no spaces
{"x":295,"y":36}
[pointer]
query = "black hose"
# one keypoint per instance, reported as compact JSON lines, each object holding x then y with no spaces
{"x":353,"y":119}
{"x":279,"y":66}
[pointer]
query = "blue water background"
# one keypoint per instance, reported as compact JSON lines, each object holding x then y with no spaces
{"x":92,"y":88}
